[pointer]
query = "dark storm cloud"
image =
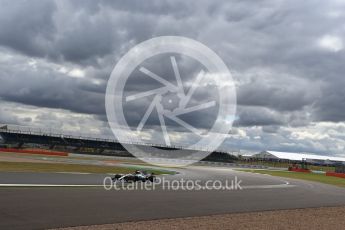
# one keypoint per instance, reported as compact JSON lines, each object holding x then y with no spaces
{"x":279,"y":94}
{"x":180,"y":9}
{"x":284,"y":77}
{"x":331,"y":106}
{"x":27,"y":26}
{"x":63,"y":31}
{"x":50,"y":89}
{"x":258,"y":116}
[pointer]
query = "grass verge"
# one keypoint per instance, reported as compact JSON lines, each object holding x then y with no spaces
{"x":60,"y":167}
{"x":322,"y":178}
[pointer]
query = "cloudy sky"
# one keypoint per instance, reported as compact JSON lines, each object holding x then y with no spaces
{"x":287,"y":59}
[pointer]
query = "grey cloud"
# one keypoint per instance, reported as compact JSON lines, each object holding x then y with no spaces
{"x":8,"y":118}
{"x":258,"y":116}
{"x":279,"y":94}
{"x":27,"y":26}
{"x":331,"y":106}
{"x":46,"y":88}
{"x":270,"y":128}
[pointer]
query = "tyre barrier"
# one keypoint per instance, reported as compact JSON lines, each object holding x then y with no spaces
{"x":233,"y":165}
{"x":341,"y":175}
{"x":300,"y":170}
{"x":36,"y":151}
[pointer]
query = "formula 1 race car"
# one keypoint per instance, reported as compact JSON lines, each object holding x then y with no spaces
{"x":134,"y":177}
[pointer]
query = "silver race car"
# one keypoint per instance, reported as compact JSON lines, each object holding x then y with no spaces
{"x":134,"y":177}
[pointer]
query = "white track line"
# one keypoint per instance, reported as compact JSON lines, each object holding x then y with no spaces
{"x":244,"y":187}
{"x":49,"y":185}
{"x":267,"y":186}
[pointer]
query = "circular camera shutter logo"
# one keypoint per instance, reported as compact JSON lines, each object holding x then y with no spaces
{"x":170,"y":101}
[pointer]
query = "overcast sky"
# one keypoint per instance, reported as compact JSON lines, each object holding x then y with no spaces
{"x":287,"y":59}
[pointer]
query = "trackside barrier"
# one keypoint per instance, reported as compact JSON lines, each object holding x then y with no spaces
{"x":209,"y":163}
{"x":299,"y":170}
{"x":30,"y":151}
{"x":224,"y":164}
{"x":341,"y":175}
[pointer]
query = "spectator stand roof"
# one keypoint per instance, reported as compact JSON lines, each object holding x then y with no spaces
{"x":296,"y":156}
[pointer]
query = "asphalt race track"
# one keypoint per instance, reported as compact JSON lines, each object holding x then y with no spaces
{"x":53,"y":204}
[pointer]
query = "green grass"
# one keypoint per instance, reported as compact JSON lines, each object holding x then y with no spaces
{"x":322,"y":178}
{"x":59,"y":167}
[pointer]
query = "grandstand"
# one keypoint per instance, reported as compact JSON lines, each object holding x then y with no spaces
{"x":19,"y":137}
{"x":23,"y":139}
